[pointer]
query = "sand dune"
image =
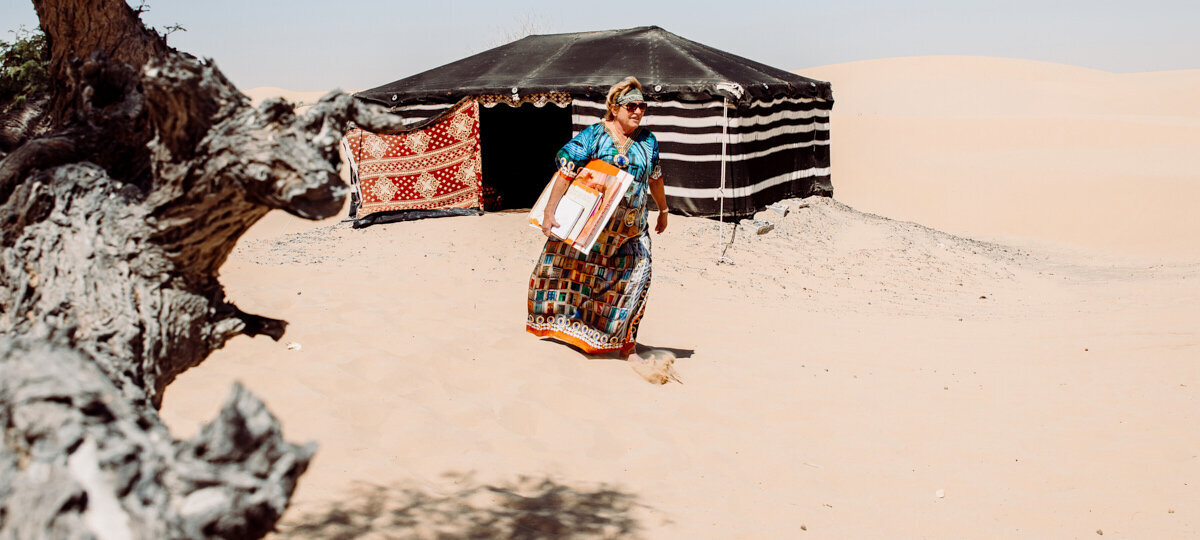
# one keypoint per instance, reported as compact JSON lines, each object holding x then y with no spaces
{"x":983,"y":87}
{"x":299,"y":97}
{"x":1016,"y":149}
{"x":846,"y":375}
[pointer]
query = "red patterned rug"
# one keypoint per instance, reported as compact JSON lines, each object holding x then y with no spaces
{"x":437,"y":166}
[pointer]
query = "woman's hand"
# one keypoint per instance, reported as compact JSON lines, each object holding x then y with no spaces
{"x":548,"y":224}
{"x":662,"y":222}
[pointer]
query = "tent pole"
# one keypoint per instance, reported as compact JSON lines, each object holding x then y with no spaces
{"x":721,"y":192}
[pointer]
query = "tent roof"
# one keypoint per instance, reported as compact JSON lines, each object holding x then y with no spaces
{"x":585,"y":64}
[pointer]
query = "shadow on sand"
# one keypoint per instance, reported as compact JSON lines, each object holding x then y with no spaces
{"x":678,"y":353}
{"x":527,"y":509}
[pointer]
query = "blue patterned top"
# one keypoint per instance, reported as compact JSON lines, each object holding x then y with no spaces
{"x":594,"y":142}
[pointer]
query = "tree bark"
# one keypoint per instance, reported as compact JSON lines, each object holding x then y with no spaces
{"x":77,"y":28}
{"x":113,"y":225}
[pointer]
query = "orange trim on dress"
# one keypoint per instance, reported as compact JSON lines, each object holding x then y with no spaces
{"x":583,"y":345}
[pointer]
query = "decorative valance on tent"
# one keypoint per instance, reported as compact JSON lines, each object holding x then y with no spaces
{"x":560,"y":99}
{"x":435,"y":165}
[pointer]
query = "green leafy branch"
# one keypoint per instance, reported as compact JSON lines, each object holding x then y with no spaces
{"x":24,"y":68}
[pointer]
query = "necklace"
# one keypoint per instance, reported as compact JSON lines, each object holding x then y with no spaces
{"x":622,"y":142}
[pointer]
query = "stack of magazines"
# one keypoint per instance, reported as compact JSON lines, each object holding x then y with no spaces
{"x":584,"y":210}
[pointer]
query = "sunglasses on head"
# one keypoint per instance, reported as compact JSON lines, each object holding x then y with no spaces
{"x":635,"y":106}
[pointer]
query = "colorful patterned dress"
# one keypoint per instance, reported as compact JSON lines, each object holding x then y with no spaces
{"x":595,"y":301}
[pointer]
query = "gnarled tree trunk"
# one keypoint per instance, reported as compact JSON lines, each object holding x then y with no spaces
{"x":114,"y":218}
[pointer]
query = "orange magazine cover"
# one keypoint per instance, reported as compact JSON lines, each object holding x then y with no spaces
{"x":607,"y":178}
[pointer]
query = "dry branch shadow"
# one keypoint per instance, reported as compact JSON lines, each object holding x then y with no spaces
{"x":527,"y":509}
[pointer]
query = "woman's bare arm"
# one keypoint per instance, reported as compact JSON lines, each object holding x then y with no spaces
{"x":659,"y":192}
{"x":560,"y":187}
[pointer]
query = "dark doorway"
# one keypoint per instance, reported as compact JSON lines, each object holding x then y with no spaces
{"x":517,"y":145}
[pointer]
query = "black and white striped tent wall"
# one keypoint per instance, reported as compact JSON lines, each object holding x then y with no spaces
{"x":721,"y":158}
{"x":772,"y":150}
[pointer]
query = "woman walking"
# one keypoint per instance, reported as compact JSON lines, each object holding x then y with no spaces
{"x":595,"y":300}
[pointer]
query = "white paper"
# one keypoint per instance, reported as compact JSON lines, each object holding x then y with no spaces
{"x":567,"y":215}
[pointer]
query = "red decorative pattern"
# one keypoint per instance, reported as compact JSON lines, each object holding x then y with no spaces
{"x":438,"y":166}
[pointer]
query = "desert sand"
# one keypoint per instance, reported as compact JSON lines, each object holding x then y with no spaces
{"x":992,"y":331}
{"x":1015,"y":149}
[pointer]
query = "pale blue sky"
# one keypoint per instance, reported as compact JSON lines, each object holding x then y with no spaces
{"x":317,"y":45}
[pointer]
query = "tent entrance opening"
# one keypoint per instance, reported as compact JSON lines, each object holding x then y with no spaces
{"x":517,"y":145}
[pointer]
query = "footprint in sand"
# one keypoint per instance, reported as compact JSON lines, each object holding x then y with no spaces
{"x":657,"y":367}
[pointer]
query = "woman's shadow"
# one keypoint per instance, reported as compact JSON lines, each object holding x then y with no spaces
{"x":677,"y":353}
{"x":657,"y":364}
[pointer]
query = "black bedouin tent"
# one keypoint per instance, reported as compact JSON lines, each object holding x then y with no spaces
{"x":735,"y":135}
